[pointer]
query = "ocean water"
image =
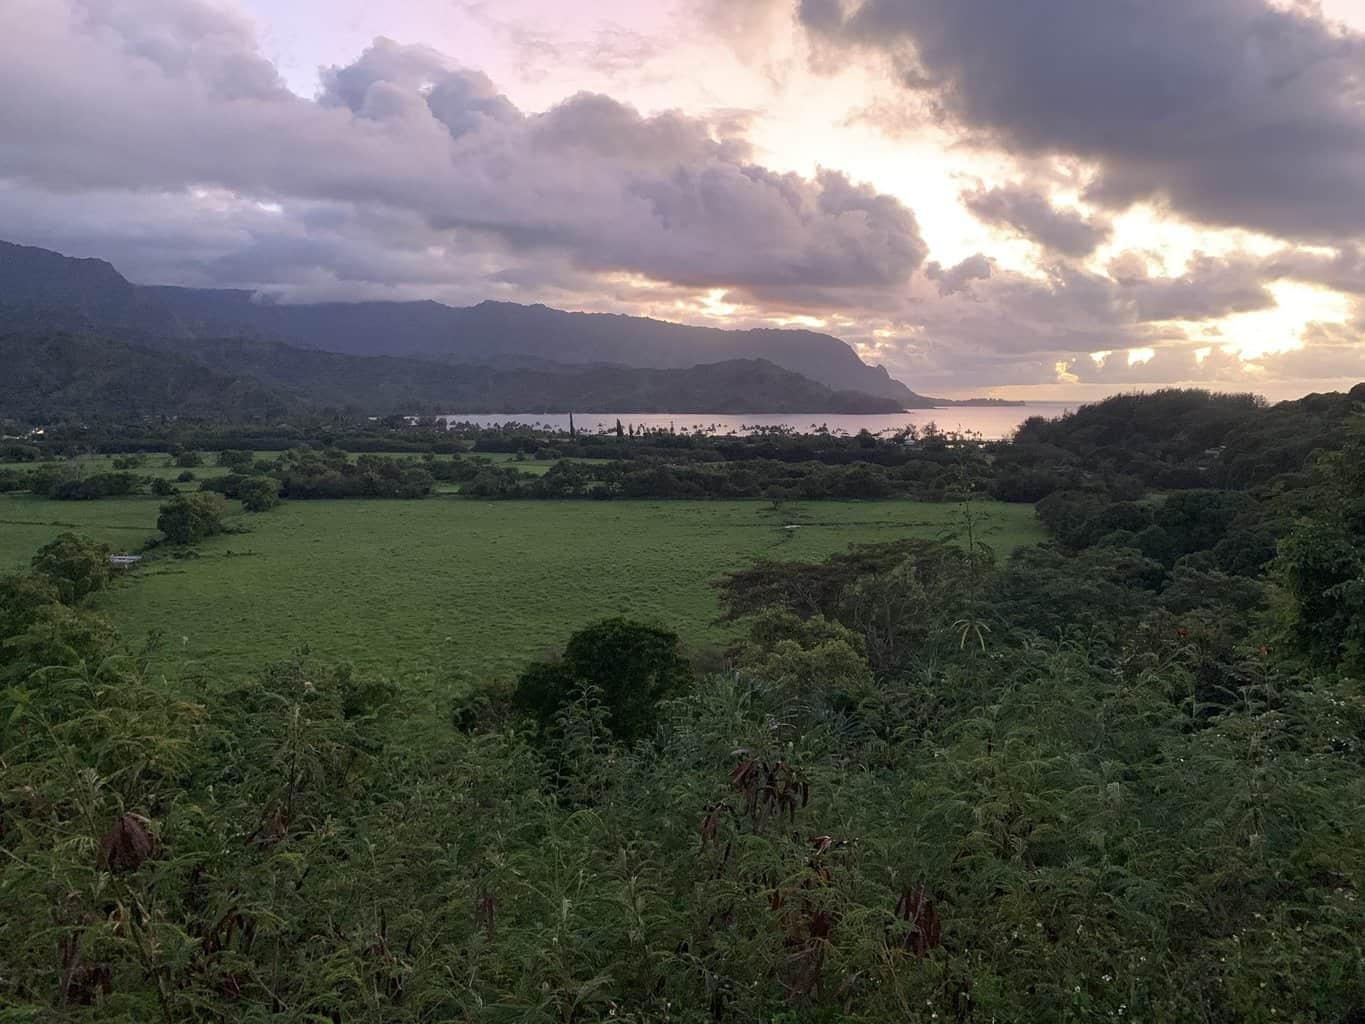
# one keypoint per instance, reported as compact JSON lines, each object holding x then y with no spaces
{"x":992,"y":422}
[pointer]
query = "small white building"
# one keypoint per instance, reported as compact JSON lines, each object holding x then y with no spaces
{"x":124,"y":561}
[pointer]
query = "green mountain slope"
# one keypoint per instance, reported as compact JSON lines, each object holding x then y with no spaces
{"x":58,"y":374}
{"x":40,"y":289}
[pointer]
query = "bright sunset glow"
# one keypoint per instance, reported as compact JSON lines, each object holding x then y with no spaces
{"x":1280,"y":329}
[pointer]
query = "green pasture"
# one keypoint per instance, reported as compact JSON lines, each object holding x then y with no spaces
{"x":28,"y":522}
{"x":469,"y":589}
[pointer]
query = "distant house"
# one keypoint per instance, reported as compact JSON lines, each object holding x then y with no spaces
{"x":124,"y":561}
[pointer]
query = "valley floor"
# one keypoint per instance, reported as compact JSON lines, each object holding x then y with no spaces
{"x":471,"y":587}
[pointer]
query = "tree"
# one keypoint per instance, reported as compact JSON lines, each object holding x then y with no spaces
{"x":236,"y":460}
{"x":189,"y":518}
{"x":76,"y":566}
{"x":259,"y":493}
{"x":633,"y":666}
{"x":188,"y":460}
{"x":809,"y":656}
{"x":162,"y":487}
{"x":22,"y":597}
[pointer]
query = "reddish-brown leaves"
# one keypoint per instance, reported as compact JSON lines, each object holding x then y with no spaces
{"x":273,"y":828}
{"x":127,"y":845}
{"x":485,"y":915}
{"x":916,"y":908}
{"x":82,"y":983}
{"x":769,"y":786}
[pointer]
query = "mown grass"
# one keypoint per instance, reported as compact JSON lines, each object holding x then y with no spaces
{"x":466,"y":590}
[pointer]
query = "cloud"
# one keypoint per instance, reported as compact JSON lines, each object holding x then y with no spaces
{"x":955,"y":279}
{"x":981,"y":322}
{"x":173,"y":97}
{"x":1208,"y":288}
{"x":1029,"y":213}
{"x":609,"y":49}
{"x":1342,"y":270}
{"x":154,"y":134}
{"x":1236,"y":112}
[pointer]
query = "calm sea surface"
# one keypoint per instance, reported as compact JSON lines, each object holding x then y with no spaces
{"x":991,"y":422}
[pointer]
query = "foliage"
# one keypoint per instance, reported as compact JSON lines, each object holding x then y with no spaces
{"x":235,"y":459}
{"x":76,"y":566}
{"x":329,"y":474}
{"x":1115,"y":777}
{"x":189,"y":518}
{"x":814,"y":658}
{"x":1321,"y":566}
{"x":631,"y":668}
{"x":22,"y":597}
{"x":259,"y":494}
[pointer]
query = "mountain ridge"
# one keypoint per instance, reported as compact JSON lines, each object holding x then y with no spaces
{"x":84,"y":294}
{"x":61,"y":374}
{"x":491,"y":329}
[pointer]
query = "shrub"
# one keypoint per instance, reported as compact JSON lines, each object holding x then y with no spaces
{"x":101,"y":485}
{"x":237,"y":460}
{"x":259,"y":493}
{"x":633,"y":666}
{"x":189,"y":518}
{"x":76,"y":566}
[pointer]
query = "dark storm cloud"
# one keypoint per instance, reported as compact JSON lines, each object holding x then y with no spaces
{"x":1029,"y":213}
{"x":1236,"y":112}
{"x":172,"y":96}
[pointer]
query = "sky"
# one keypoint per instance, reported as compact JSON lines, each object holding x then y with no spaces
{"x":1051,"y":200}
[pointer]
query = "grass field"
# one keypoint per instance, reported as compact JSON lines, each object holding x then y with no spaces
{"x":470,"y":588}
{"x":527,"y":465}
{"x":27,"y":523}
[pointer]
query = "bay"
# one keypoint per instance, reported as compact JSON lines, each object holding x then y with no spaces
{"x":991,"y":422}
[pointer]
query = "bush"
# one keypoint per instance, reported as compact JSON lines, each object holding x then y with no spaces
{"x":101,"y":485}
{"x":259,"y":493}
{"x":76,"y":566}
{"x":189,"y":518}
{"x":633,"y":666}
{"x":236,"y":460}
{"x":11,"y":452}
{"x":22,"y":597}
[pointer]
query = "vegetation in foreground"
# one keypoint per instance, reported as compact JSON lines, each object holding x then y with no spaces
{"x":1114,"y":777}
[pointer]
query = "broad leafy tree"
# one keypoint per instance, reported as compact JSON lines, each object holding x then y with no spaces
{"x":76,"y":566}
{"x":189,"y":518}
